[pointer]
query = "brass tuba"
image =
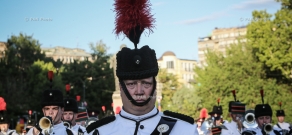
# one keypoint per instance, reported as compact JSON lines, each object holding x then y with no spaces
{"x":46,"y":124}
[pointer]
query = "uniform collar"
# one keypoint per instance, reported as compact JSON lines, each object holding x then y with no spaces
{"x":138,"y":118}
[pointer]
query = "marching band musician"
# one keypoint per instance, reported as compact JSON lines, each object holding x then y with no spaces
{"x":136,"y":71}
{"x":281,"y":127}
{"x":236,"y":112}
{"x":4,"y":120}
{"x":216,"y":116}
{"x":70,"y":114}
{"x":52,"y":107}
{"x":263,"y":117}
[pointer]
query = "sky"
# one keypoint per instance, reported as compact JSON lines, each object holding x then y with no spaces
{"x":76,"y":23}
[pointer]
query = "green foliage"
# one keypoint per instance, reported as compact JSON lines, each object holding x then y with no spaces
{"x":271,"y":40}
{"x":239,"y":71}
{"x":95,"y":79}
{"x":24,"y":70}
{"x":186,"y":101}
{"x":169,"y":86}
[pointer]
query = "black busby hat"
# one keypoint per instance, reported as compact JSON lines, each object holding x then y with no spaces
{"x":70,"y":104}
{"x":136,"y":64}
{"x":280,"y":112}
{"x":235,"y":106}
{"x":132,"y":18}
{"x":263,"y":109}
{"x":52,"y":97}
{"x":4,"y":118}
{"x":217,"y":109}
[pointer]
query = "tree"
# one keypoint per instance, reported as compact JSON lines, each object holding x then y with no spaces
{"x":272,"y":41}
{"x":186,"y":101}
{"x":239,"y":70}
{"x":169,"y":86}
{"x":95,"y":78}
{"x":22,"y":51}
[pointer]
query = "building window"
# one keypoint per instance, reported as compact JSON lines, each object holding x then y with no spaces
{"x":170,"y":65}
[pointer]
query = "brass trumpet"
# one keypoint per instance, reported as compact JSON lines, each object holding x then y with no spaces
{"x":268,"y":128}
{"x":46,"y":124}
{"x":249,"y":121}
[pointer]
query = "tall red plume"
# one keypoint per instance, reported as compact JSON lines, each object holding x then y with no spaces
{"x":68,"y":87}
{"x":234,"y":95}
{"x":50,"y":75}
{"x":218,"y":101}
{"x":103,"y":108}
{"x":203,"y":113}
{"x":77,"y":98}
{"x":262,"y":95}
{"x":132,"y":17}
{"x":2,"y":104}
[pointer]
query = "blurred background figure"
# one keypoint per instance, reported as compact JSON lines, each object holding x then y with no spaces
{"x":4,"y":120}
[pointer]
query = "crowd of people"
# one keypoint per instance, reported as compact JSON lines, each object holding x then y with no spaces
{"x":136,"y":70}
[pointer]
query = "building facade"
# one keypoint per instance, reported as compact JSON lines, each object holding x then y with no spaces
{"x":67,"y":55}
{"x":183,"y":68}
{"x":220,"y":39}
{"x":3,"y":47}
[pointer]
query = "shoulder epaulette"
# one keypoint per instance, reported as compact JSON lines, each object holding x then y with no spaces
{"x":100,"y":123}
{"x":179,"y":116}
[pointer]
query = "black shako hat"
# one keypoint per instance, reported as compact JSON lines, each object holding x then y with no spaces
{"x":236,"y":107}
{"x":132,"y":18}
{"x":217,"y":109}
{"x":52,"y":97}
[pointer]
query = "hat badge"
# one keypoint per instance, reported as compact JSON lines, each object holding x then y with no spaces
{"x":1,"y":118}
{"x":67,"y":102}
{"x":51,"y":94}
{"x":137,"y":61}
{"x":263,"y":106}
{"x":162,"y":128}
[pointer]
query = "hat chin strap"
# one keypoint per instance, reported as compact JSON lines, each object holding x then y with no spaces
{"x":131,"y":98}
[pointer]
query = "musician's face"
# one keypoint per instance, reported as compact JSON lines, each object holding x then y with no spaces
{"x":236,"y":117}
{"x":68,"y":115}
{"x":55,"y":112}
{"x":140,"y":90}
{"x":4,"y":127}
{"x":263,"y":120}
{"x":281,"y":119}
